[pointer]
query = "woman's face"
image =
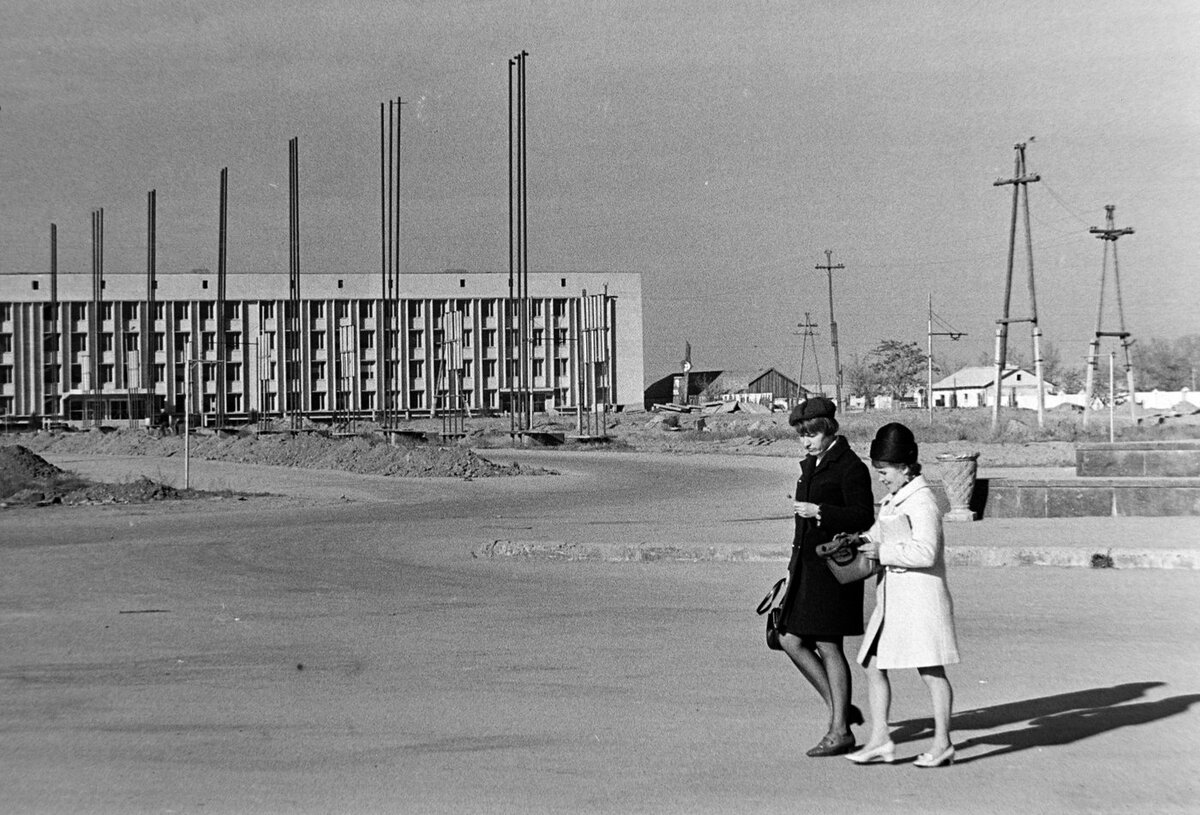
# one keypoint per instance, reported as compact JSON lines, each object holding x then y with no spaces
{"x":815,"y":444}
{"x":892,"y":476}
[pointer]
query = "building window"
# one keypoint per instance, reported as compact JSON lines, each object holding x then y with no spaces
{"x":366,"y":340}
{"x":562,"y":282}
{"x":539,"y":367}
{"x":160,"y":372}
{"x":462,"y":282}
{"x":160,"y":341}
{"x":489,"y":368}
{"x":489,"y":309}
{"x":107,"y":374}
{"x":267,"y":310}
{"x":341,"y":309}
{"x":209,"y":341}
{"x":317,"y":310}
{"x":466,"y":338}
{"x":6,"y":374}
{"x":535,"y":308}
{"x":318,"y":401}
{"x":6,"y":343}
{"x":416,"y":339}
{"x":318,"y":340}
{"x":318,"y":370}
{"x":233,"y":340}
{"x":35,"y":285}
{"x":234,"y":310}
{"x":366,"y":309}
{"x":417,"y":369}
{"x":181,"y":311}
{"x":160,"y":310}
{"x":106,"y":309}
{"x":537,"y":336}
{"x":106,"y":342}
{"x":489,"y":338}
{"x":234,"y":370}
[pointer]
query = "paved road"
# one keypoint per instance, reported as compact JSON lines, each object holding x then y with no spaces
{"x":328,"y":654}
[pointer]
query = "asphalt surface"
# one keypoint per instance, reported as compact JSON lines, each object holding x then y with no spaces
{"x":362,"y":644}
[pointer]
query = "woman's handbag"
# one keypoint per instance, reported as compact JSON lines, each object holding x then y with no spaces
{"x":771,"y":605}
{"x":843,"y":558}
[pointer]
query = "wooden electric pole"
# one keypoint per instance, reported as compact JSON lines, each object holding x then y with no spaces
{"x":1109,"y":234}
{"x":833,"y":332}
{"x":1020,"y":181}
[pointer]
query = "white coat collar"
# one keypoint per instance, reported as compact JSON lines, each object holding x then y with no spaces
{"x":907,"y":491}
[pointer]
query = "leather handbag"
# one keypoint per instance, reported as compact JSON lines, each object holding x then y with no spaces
{"x":844,"y":559}
{"x":771,"y":605}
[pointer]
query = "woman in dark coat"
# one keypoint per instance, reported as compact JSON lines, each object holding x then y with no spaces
{"x":833,"y":495}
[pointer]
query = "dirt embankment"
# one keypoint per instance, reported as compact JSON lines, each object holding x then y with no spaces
{"x":28,"y":479}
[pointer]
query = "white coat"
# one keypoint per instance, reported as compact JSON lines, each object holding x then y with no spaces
{"x":913,"y":622}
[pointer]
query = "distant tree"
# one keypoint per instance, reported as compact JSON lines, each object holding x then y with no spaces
{"x":1069,"y":380}
{"x":1165,"y":365}
{"x":860,"y":380}
{"x":899,"y":367}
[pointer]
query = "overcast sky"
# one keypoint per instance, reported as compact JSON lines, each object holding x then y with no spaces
{"x":719,"y":148}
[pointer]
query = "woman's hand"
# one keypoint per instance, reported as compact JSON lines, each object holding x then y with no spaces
{"x":869,"y":548}
{"x":806,"y":509}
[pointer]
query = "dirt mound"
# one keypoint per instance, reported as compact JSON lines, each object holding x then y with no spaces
{"x":365,"y":455}
{"x":27,"y":478}
{"x":21,"y":468}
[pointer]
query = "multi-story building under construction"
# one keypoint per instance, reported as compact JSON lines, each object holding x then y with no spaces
{"x":132,"y":347}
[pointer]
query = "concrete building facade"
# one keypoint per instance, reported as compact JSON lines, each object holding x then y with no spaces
{"x":80,"y":349}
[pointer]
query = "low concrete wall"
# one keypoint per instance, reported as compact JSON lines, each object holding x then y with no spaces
{"x":1094,"y":497}
{"x":1155,"y":459}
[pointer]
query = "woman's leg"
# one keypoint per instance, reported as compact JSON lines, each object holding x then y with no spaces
{"x":942,"y":696}
{"x":809,"y":663}
{"x":879,"y":694}
{"x":837,"y":672}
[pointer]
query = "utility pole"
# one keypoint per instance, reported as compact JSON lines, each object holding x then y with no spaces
{"x":1020,"y":181}
{"x":809,"y":337}
{"x":833,"y":333}
{"x":1109,"y":234}
{"x":953,"y":335}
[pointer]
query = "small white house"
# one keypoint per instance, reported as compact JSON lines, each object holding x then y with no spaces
{"x":975,"y":386}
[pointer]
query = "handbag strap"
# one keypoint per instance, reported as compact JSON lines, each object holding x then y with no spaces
{"x":765,"y":604}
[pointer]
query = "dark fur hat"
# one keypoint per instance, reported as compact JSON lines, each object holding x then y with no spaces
{"x":895,"y":444}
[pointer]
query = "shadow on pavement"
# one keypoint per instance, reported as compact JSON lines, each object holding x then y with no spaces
{"x":1053,"y":720}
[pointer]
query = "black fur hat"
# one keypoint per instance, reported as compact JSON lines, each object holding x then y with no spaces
{"x":895,"y":444}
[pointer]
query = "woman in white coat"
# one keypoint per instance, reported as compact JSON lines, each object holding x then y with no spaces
{"x":913,"y":622}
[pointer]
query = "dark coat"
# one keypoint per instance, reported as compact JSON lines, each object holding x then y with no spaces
{"x":816,"y":603}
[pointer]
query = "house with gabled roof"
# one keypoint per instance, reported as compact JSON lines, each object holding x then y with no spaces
{"x":975,"y":386}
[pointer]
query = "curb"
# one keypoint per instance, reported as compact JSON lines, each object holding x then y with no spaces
{"x":985,"y":556}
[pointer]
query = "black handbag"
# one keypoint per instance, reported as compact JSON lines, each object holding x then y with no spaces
{"x":844,"y":559}
{"x":771,"y":605}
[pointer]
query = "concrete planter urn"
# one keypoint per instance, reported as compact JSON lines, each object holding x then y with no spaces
{"x":958,"y":478}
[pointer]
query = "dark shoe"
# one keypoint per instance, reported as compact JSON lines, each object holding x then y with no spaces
{"x":854,"y":716}
{"x":833,"y":746}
